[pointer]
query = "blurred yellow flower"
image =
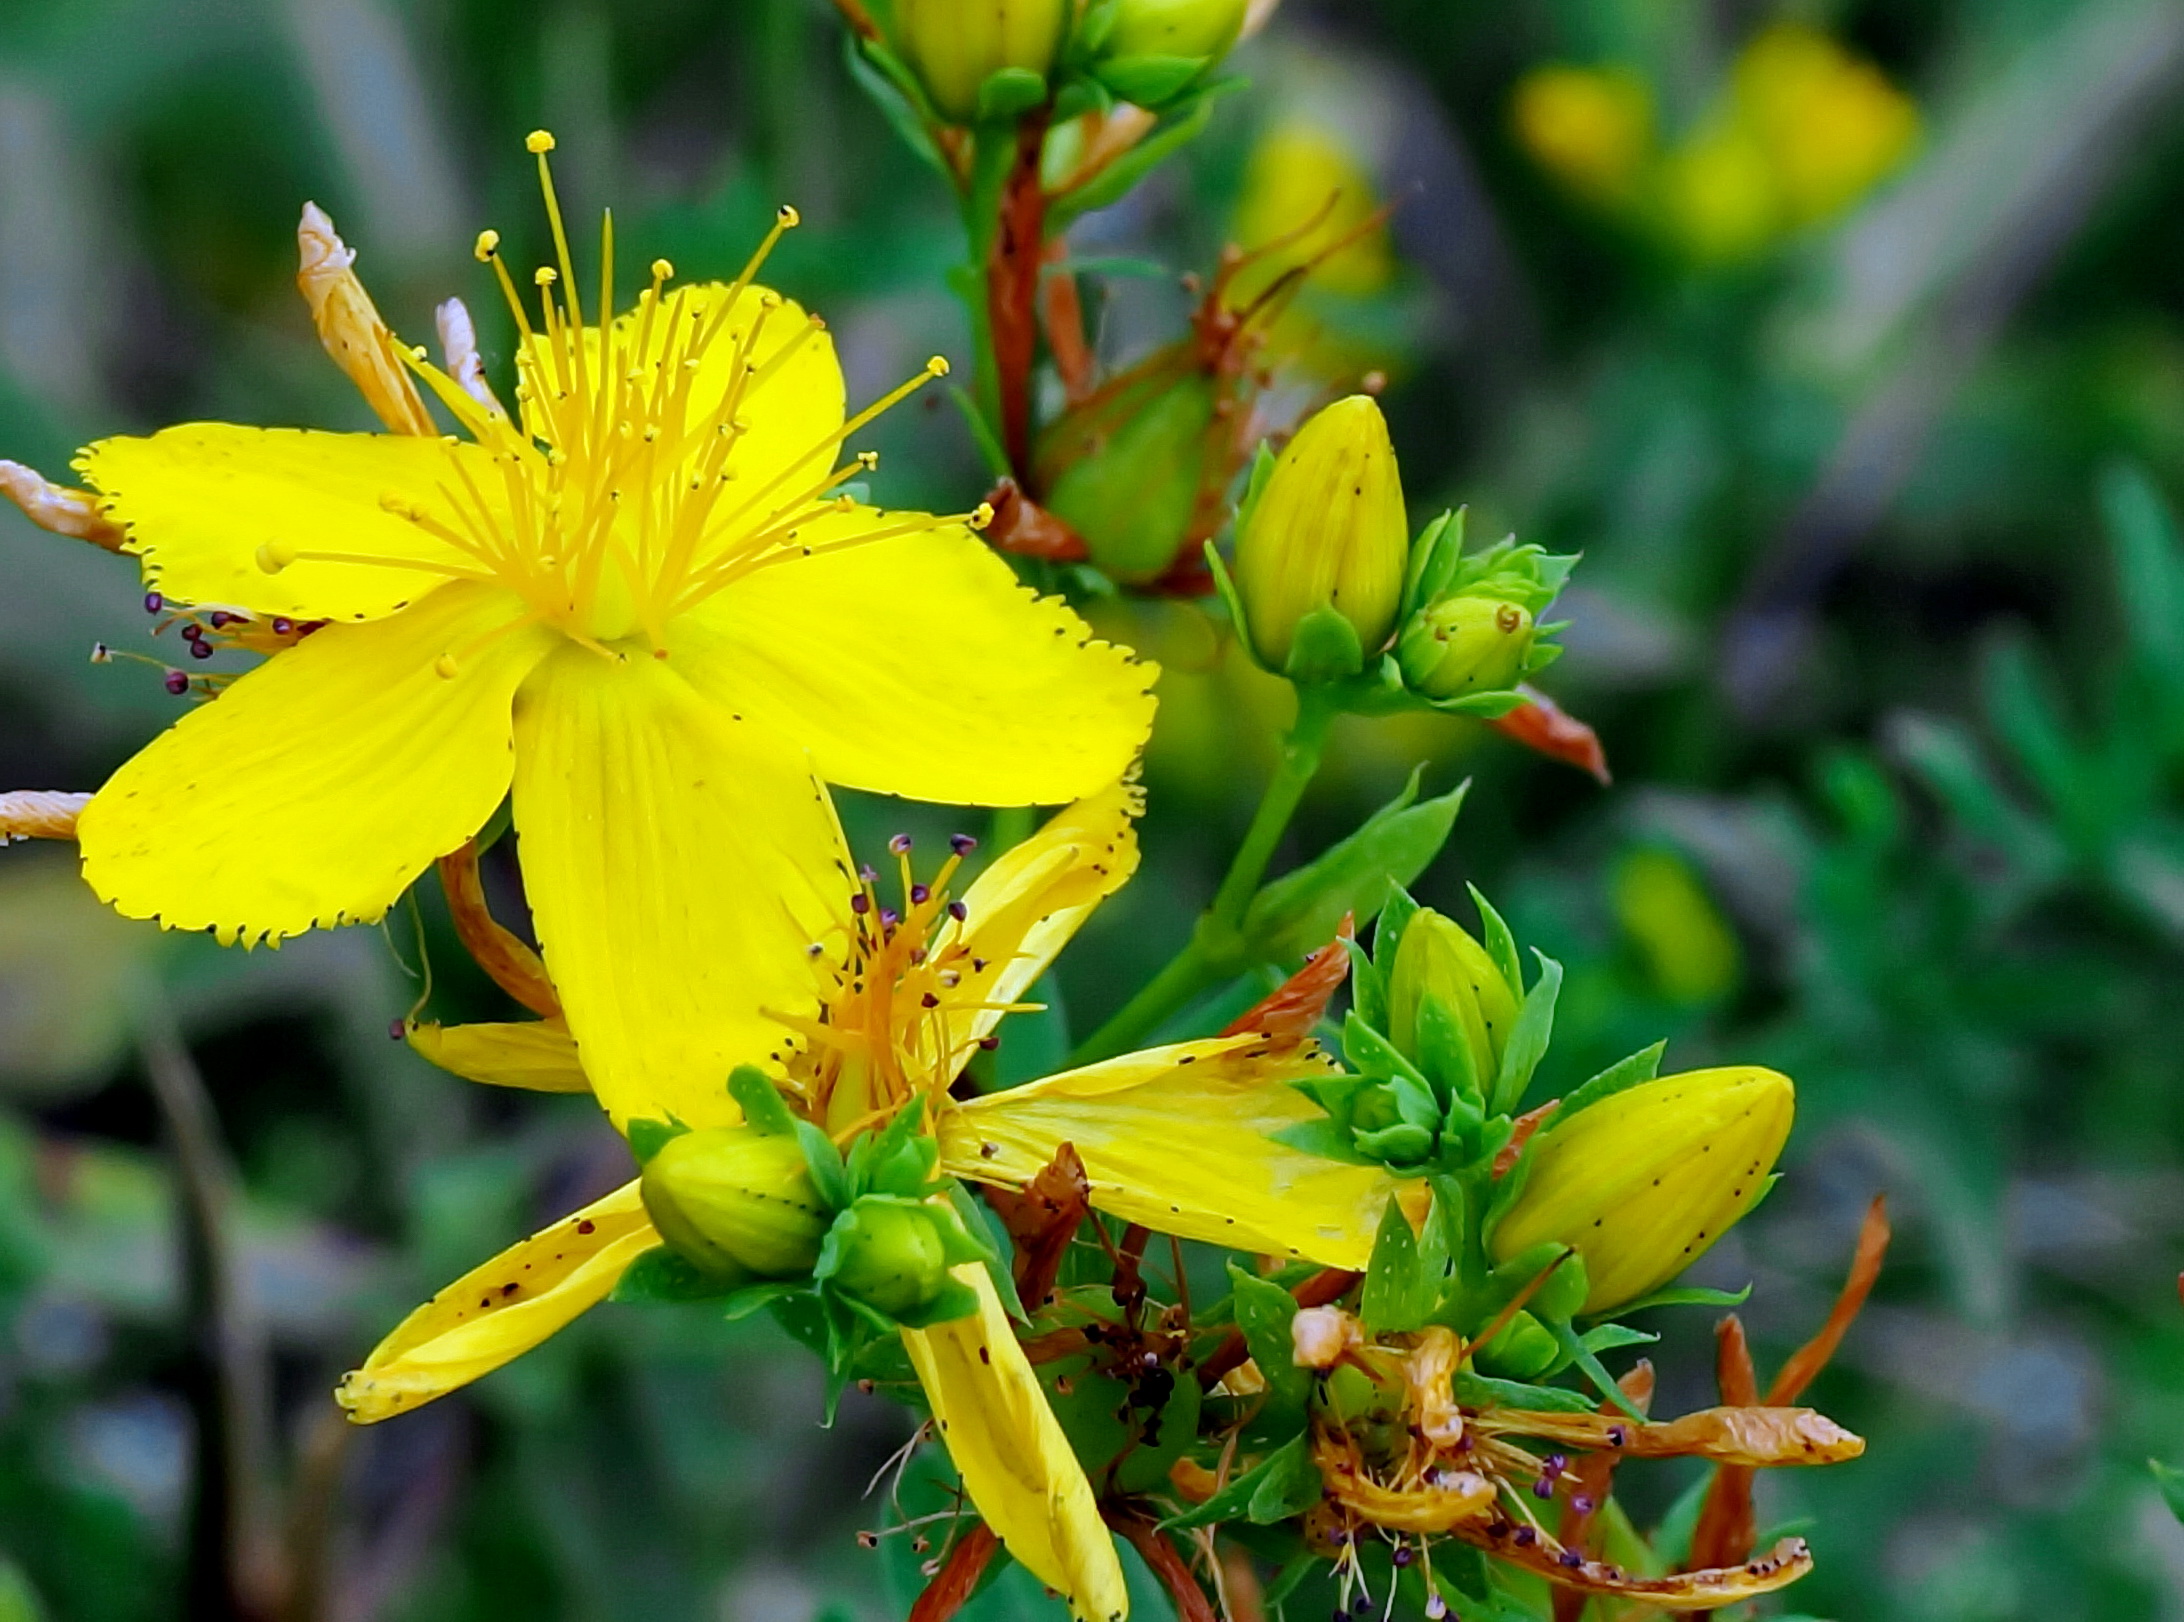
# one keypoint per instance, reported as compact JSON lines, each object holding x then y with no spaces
{"x":1688,"y":947}
{"x":1801,"y":131}
{"x":1304,"y":191}
{"x":642,"y":605}
{"x":1592,"y":128}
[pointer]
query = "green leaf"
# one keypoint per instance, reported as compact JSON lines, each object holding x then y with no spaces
{"x":1582,"y":1355}
{"x":1371,"y":1054}
{"x":1368,"y":991}
{"x":1432,"y":560}
{"x":1398,"y":1294}
{"x":1608,"y":1337}
{"x":894,"y":89}
{"x":1634,"y":1071}
{"x":2171,"y":1482}
{"x":2142,"y":531}
{"x":1528,"y":1042}
{"x":764,"y":1109}
{"x":749,"y":1298}
{"x":983,"y":1219}
{"x":1298,"y":912}
{"x":1263,"y":1311}
{"x":1329,"y":1140}
{"x":983,"y":437}
{"x":1484,"y":1391}
{"x":1444,"y":1053}
{"x":1275,"y":1475}
{"x":1500,"y":944}
{"x":1262,"y":469}
{"x":1395,"y":913}
{"x":1187,"y":119}
{"x":663,"y":1276}
{"x":1687,"y":1295}
{"x":647,"y":1137}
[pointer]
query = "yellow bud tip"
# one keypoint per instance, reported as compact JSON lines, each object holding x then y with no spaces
{"x":662,"y":270}
{"x":981,"y":515}
{"x":544,"y":276}
{"x":274,"y":556}
{"x":788,"y":217}
{"x":937,"y":366}
{"x":539,"y":141}
{"x":487,"y":245}
{"x":445,"y":667}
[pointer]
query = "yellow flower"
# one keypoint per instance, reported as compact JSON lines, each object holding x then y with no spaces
{"x":1832,"y":125}
{"x":1307,"y":198}
{"x":639,"y":604}
{"x":1590,"y":127}
{"x":917,"y":992}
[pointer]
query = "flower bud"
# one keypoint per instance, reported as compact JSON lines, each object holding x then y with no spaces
{"x":1465,"y":645}
{"x":1438,"y":959}
{"x":732,"y":1200}
{"x":1644,"y":1181}
{"x":1177,"y":28}
{"x":956,"y":45}
{"x":892,"y":1255}
{"x":1125,"y":470}
{"x":1523,"y":1349}
{"x":1327,"y":531}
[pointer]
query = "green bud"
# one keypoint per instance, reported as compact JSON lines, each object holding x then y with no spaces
{"x":1326,"y":531}
{"x":1438,"y":959}
{"x":1184,"y":28}
{"x":1125,"y":470}
{"x":892,"y":1255}
{"x":1465,"y":645}
{"x":1523,"y":1350}
{"x":1643,"y":1182}
{"x":732,"y":1201}
{"x":956,"y":45}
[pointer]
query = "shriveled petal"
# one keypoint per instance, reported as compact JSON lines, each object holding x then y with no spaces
{"x":200,"y":500}
{"x":680,"y":863}
{"x":1181,"y":1140}
{"x":918,"y":665}
{"x":1022,"y":910}
{"x":537,"y":1055}
{"x":790,"y":407}
{"x":1015,"y":1461}
{"x":317,"y":787}
{"x":1756,"y":1437}
{"x":495,"y":1313}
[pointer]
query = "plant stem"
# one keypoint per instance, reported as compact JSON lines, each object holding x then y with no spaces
{"x":1217,"y":949}
{"x":1012,"y":291}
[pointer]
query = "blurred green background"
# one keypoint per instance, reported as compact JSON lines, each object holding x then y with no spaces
{"x":1845,"y":340}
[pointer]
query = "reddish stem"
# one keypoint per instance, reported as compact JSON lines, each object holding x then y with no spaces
{"x":1166,"y":1562}
{"x":1012,"y":290}
{"x":957,"y":1577}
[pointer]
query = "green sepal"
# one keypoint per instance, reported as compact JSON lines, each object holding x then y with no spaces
{"x":982,"y":1219}
{"x":1609,"y":1337}
{"x":746,"y":1299}
{"x":1395,"y":916}
{"x":1484,"y":1391}
{"x":1284,"y":1483}
{"x":1433,"y":558}
{"x":1008,"y":93}
{"x":1262,"y":469}
{"x":1299,"y":911}
{"x":1490,"y":705}
{"x":1263,"y":1311}
{"x":1509,"y":1187}
{"x":1583,"y":1356}
{"x":894,"y":89}
{"x":764,"y":1109}
{"x":1686,"y":1295}
{"x":898,"y":1159}
{"x":646,"y":1136}
{"x":1324,"y":648}
{"x":1079,"y":94}
{"x":1396,"y":1298}
{"x":1527,"y":1043}
{"x":1500,"y":942}
{"x":1522,"y":1349}
{"x":1325,"y":1138}
{"x":1224,"y":587}
{"x":664,"y":1275}
{"x":1093,"y":27}
{"x":1639,"y":1068}
{"x":1150,"y":81}
{"x":1368,"y":988}
{"x":1371,"y":1054}
{"x":1444,"y":1054}
{"x":955,"y":1300}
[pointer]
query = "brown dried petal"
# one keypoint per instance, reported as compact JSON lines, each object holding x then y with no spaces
{"x":1760,"y":1437}
{"x":1688,"y":1591}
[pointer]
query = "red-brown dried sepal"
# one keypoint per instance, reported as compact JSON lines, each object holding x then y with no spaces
{"x":1591,"y":1479}
{"x":1546,"y":728}
{"x":513,"y":966}
{"x":1043,"y":1218}
{"x":1020,"y":525}
{"x":1292,"y":1010}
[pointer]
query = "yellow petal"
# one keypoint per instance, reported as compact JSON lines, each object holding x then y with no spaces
{"x":1015,"y":1462}
{"x":495,"y":1313}
{"x":680,"y":863}
{"x":536,"y":1055}
{"x":789,"y":414}
{"x":919,"y":666}
{"x":1180,"y":1139}
{"x":314,"y":790}
{"x":1022,"y":910}
{"x":200,"y":500}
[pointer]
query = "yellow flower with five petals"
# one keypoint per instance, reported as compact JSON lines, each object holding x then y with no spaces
{"x":642,"y":605}
{"x":1178,"y":1138}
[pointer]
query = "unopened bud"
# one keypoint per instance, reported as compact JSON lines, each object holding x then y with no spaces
{"x":733,"y":1200}
{"x":1643,"y":1182}
{"x":1437,"y":960}
{"x":1326,"y":531}
{"x":893,"y":1256}
{"x":1320,"y":1335}
{"x":1125,"y":470}
{"x":957,"y":45}
{"x":1465,"y":645}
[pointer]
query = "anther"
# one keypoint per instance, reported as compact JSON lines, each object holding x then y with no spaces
{"x":937,"y":366}
{"x":889,"y":917}
{"x":282,"y":626}
{"x":1571,"y":1559}
{"x":920,"y":894}
{"x":860,"y":904}
{"x":1544,"y":1487}
{"x":928,"y":1001}
{"x":545,"y":276}
{"x":177,"y":683}
{"x":900,"y":844}
{"x":1583,"y":1503}
{"x":1436,"y":1607}
{"x":397,"y":1029}
{"x":153,"y":602}
{"x":101,"y":654}
{"x":868,"y":1540}
{"x":539,"y":141}
{"x":981,"y":515}
{"x":220,"y":618}
{"x":1403,"y":1556}
{"x":200,"y":650}
{"x":958,"y":911}
{"x":274,"y":556}
{"x":662,"y":270}
{"x":192,"y":631}
{"x":1526,"y":1537}
{"x":788,"y":216}
{"x":486,"y":246}
{"x":989,"y":1043}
